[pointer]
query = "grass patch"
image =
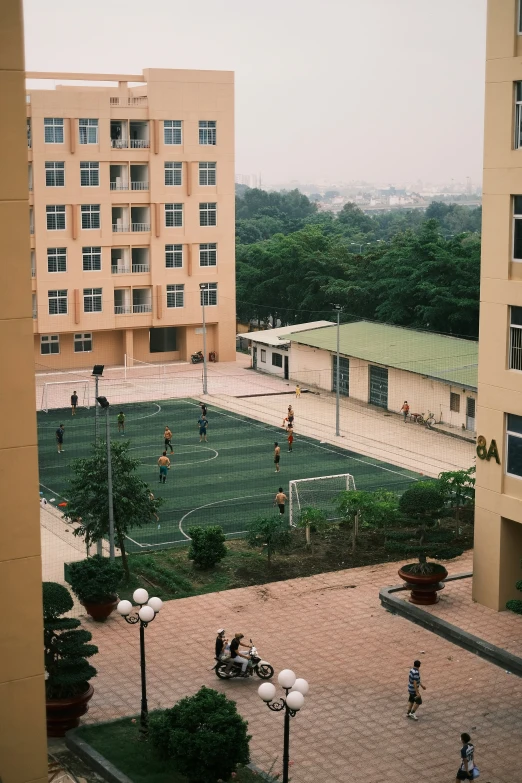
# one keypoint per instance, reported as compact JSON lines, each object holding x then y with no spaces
{"x":118,"y":742}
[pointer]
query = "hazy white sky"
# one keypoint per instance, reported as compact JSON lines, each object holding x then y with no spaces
{"x":383,"y":90}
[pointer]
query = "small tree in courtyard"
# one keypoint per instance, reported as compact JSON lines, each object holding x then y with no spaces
{"x":272,"y":533}
{"x":458,"y":488}
{"x":204,"y":735}
{"x":421,"y":507}
{"x":207,"y":547}
{"x":133,"y":503}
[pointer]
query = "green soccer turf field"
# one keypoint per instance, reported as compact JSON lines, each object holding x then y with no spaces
{"x":227,"y":481}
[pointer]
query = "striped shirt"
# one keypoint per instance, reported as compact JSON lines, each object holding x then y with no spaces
{"x":413,"y":678}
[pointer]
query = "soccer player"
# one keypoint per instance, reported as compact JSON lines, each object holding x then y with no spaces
{"x":168,"y":435}
{"x":59,"y":438}
{"x":297,"y":390}
{"x":467,"y":763}
{"x":121,"y":422}
{"x":164,"y":466}
{"x":203,"y":408}
{"x":74,"y":403}
{"x":290,"y":438}
{"x":280,"y":500}
{"x":277,"y":455}
{"x":414,"y":697}
{"x":203,"y":424}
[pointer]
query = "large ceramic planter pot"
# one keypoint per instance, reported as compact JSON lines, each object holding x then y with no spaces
{"x":65,"y":714}
{"x":424,"y":587}
{"x":100,"y":612}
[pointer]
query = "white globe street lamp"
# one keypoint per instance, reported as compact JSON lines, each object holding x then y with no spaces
{"x":148,"y":609}
{"x":295,"y":690}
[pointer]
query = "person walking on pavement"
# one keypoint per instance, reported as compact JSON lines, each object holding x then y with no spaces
{"x":164,"y":466}
{"x":405,"y":410}
{"x":414,"y":697}
{"x":297,"y":390}
{"x":59,"y":438}
{"x":467,"y":763}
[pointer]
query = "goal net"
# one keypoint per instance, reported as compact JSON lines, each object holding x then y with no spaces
{"x":57,"y":394}
{"x":318,"y":493}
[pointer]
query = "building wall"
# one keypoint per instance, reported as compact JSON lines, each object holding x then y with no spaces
{"x":267,"y":366}
{"x":188,"y":96}
{"x":313,"y":366}
{"x":23,"y":748}
{"x":498,"y":520}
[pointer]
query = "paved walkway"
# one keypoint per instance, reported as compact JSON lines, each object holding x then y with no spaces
{"x":504,"y":629}
{"x":331,"y":630}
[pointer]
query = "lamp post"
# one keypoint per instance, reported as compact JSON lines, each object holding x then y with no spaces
{"x":295,"y":689}
{"x":104,"y":403}
{"x":149,"y":608}
{"x":338,"y":375}
{"x":203,"y":287}
{"x":97,"y":372}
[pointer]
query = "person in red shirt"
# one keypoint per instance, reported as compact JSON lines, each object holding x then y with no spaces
{"x":290,"y":438}
{"x":405,"y":410}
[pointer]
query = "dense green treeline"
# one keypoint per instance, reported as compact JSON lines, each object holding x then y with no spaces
{"x":408,"y":268}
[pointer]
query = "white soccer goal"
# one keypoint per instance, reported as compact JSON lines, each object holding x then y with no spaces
{"x":57,"y":394}
{"x":320,"y":493}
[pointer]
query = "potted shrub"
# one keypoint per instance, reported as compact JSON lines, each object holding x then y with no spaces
{"x":421,"y":508}
{"x":67,"y":671}
{"x":94,"y":582}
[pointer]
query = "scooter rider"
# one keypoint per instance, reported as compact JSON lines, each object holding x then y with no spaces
{"x":220,"y":643}
{"x":235,"y":655}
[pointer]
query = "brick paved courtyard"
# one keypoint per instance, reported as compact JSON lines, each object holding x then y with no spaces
{"x":332,"y":630}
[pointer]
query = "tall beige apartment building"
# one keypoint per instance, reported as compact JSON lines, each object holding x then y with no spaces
{"x":498,"y":525}
{"x":131,"y":192}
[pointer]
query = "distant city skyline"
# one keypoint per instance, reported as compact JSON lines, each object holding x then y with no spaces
{"x":381,"y":91}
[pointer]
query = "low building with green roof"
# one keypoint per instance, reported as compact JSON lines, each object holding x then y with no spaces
{"x":387,"y":365}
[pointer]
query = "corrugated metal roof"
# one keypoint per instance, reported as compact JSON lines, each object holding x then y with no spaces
{"x":448,"y":359}
{"x":272,"y":336}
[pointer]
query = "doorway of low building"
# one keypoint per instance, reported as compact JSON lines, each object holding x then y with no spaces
{"x":378,"y":386}
{"x":286,"y":368}
{"x":470,"y":413}
{"x":163,"y":339}
{"x":344,"y":375}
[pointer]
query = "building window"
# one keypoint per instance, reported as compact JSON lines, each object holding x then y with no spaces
{"x":175,"y":295}
{"x":519,"y":14}
{"x":208,"y":295}
{"x":88,"y":131}
{"x":90,"y":216}
{"x":57,"y":302}
{"x":172,"y":131}
{"x":207,"y":132}
{"x":515,"y":338}
{"x":207,"y":214}
{"x":173,"y":173}
{"x":514,"y":444}
{"x":89,"y":174}
{"x":49,"y":343}
{"x":92,"y":300}
{"x":53,"y":130}
{"x":57,"y":259}
{"x":517,"y":228}
{"x":208,"y":254}
{"x":173,"y":256}
{"x":207,"y":173}
{"x":54,"y":174}
{"x":454,"y":402}
{"x":55,"y":217}
{"x":91,"y":258}
{"x":83,"y":342}
{"x":173,"y":215}
{"x":263,"y":354}
{"x":277,"y":360}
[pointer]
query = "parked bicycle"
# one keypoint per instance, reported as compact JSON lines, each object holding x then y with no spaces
{"x":420,"y":418}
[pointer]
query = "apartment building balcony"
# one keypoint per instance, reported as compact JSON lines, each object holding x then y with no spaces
{"x":140,"y":100}
{"x":35,"y":308}
{"x":29,"y":134}
{"x":133,"y":177}
{"x":33,"y":263}
{"x":130,"y":134}
{"x":137,"y":219}
{"x":120,"y":261}
{"x":31,"y":221}
{"x":134,"y":301}
{"x":140,"y":260}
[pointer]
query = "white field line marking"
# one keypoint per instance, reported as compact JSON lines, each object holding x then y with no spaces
{"x":89,"y":422}
{"x":216,"y":503}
